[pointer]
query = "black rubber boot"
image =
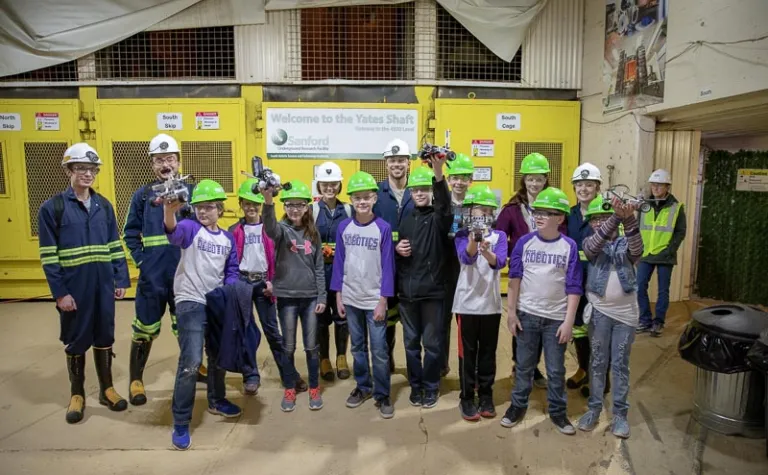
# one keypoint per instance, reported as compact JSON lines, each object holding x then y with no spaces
{"x":341,"y":337}
{"x":76,"y":369}
{"x":391,"y":339}
{"x":107,"y":394}
{"x":139,"y":356}
{"x":581,"y":378}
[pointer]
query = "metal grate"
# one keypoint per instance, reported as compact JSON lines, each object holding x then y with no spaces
{"x":45,"y":176}
{"x":211,"y":160}
{"x":58,"y":73}
{"x":462,"y":57}
{"x":377,"y":168}
{"x":367,"y":42}
{"x":2,"y":170}
{"x":133,"y":170}
{"x":195,"y":53}
{"x":552,"y":150}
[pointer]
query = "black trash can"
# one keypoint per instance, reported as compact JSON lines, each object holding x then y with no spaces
{"x":758,"y":358}
{"x":728,"y":393}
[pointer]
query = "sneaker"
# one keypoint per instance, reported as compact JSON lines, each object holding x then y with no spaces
{"x":643,"y":328}
{"x":251,"y":389}
{"x":539,"y":380}
{"x":468,"y":410}
{"x":620,"y":427}
{"x":588,"y":421}
{"x":357,"y":398}
{"x":415,"y":398}
{"x":513,"y":416}
{"x":180,"y":437}
{"x":301,"y":385}
{"x":224,"y":408}
{"x":563,"y":424}
{"x":386,"y":409}
{"x":657,"y":329}
{"x":315,"y":399}
{"x":430,"y":400}
{"x":289,"y":400}
{"x":487,"y":409}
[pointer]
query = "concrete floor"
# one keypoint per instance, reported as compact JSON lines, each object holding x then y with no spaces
{"x":34,"y":438}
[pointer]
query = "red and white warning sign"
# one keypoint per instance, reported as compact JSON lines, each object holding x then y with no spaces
{"x":206,"y":120}
{"x":47,"y":121}
{"x":482,"y":147}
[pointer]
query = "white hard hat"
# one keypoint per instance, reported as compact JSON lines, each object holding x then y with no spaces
{"x":397,"y":148}
{"x":586,"y":171}
{"x":163,"y":143}
{"x":81,"y":153}
{"x":660,"y":176}
{"x":328,"y":172}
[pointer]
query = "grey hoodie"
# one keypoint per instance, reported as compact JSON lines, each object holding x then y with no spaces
{"x":299,"y":268}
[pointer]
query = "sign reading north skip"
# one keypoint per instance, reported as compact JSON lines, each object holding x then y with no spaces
{"x":338,"y":133}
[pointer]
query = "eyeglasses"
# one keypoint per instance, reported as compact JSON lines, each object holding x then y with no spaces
{"x":170,"y":160}
{"x":296,"y":206}
{"x":538,"y":214}
{"x":83,"y":169}
{"x":462,"y":178}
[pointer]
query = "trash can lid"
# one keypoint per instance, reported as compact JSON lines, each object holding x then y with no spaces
{"x":734,"y":319}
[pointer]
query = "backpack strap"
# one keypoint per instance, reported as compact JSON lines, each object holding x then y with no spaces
{"x":315,"y":211}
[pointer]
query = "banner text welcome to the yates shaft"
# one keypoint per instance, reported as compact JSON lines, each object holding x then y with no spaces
{"x":338,"y":133}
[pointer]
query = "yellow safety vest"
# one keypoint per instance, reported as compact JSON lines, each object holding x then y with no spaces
{"x":657,"y":232}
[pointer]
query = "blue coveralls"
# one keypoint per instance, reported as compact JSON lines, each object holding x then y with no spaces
{"x":85,"y":259}
{"x":578,"y":230}
{"x":327,"y":224}
{"x":144,"y":236}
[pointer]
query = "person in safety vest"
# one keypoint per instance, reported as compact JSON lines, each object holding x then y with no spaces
{"x":85,"y":267}
{"x":328,"y":213}
{"x":156,"y":259}
{"x":663,"y":230}
{"x":459,"y":178}
{"x":393,"y":205}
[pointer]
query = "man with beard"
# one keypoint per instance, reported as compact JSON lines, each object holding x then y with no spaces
{"x":156,"y":259}
{"x":394,"y":204}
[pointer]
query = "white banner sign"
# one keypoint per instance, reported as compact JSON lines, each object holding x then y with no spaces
{"x":10,"y":122}
{"x":338,"y":133}
{"x":169,"y":121}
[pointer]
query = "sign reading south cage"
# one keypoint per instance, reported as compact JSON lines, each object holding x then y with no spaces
{"x":338,"y":133}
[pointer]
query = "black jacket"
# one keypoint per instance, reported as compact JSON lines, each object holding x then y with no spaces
{"x":422,"y":275}
{"x":669,"y":255}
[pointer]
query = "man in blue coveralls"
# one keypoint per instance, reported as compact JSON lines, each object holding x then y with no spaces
{"x":85,"y":267}
{"x":156,"y":260}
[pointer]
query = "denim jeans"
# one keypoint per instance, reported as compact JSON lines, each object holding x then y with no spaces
{"x":265,"y":308}
{"x":423,"y":324}
{"x":538,"y":330}
{"x":611,"y":341}
{"x":290,"y":311}
{"x":362,"y":327}
{"x":644,"y":274}
{"x":192,"y":322}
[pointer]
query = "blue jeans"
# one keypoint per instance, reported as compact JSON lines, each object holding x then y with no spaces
{"x":611,"y":341}
{"x":290,"y":311}
{"x":265,"y":308}
{"x":644,"y":274}
{"x":538,"y":330}
{"x":361,"y":327}
{"x":192,"y":322}
{"x":423,"y":324}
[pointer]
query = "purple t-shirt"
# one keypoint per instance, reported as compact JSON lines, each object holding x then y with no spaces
{"x":208,"y":260}
{"x":364,"y":264}
{"x":549,"y":272}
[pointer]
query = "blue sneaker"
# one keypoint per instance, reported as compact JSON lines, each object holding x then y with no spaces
{"x":620,"y":427}
{"x":588,"y":421}
{"x":224,"y":408}
{"x":180,"y":437}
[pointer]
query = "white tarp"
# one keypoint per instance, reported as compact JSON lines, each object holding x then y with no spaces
{"x":499,"y":24}
{"x":39,"y":33}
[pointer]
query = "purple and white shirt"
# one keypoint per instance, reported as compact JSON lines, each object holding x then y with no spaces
{"x":549,"y":272}
{"x":477,"y":291}
{"x":364,"y":264}
{"x":208,"y":260}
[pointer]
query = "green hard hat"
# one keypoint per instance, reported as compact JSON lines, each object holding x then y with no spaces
{"x":422,"y":176}
{"x":598,"y":206}
{"x":361,"y":181}
{"x":246,"y":191}
{"x":207,"y":190}
{"x":298,"y":191}
{"x":480,"y":195}
{"x":534,"y":164}
{"x":461,"y":166}
{"x":552,"y":198}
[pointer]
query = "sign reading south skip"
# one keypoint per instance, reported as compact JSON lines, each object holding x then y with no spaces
{"x":338,"y":133}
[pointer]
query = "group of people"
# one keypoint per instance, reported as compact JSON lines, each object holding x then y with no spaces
{"x":415,"y":248}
